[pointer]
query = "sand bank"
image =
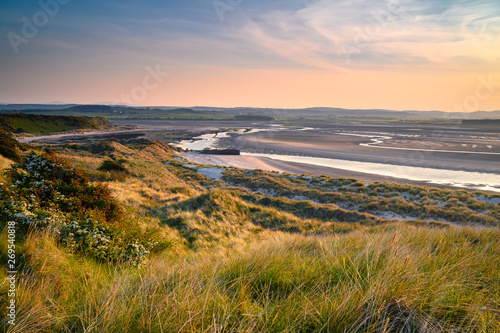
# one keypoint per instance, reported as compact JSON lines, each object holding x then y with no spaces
{"x":237,"y":161}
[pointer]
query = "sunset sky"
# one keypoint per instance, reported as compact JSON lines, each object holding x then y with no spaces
{"x":401,"y":55}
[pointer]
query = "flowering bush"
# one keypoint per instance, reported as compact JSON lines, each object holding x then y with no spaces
{"x":45,"y":193}
{"x":55,"y":184}
{"x":89,"y":238}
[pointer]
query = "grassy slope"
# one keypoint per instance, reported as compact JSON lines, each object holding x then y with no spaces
{"x":5,"y":163}
{"x":230,"y":262}
{"x":131,"y":113}
{"x":37,"y":124}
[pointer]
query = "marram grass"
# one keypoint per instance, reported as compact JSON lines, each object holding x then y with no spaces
{"x":404,"y":279}
{"x":254,"y":255}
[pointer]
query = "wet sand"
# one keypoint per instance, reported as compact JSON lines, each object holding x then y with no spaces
{"x":237,"y":161}
{"x":266,"y":164}
{"x":345,"y":147}
{"x":343,"y":141}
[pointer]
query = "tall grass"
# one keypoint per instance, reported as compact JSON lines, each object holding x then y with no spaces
{"x":398,"y":279}
{"x":226,"y":261}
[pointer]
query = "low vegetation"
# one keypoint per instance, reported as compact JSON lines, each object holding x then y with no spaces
{"x":167,"y":249}
{"x":253,"y":117}
{"x":110,"y":165}
{"x":400,"y":201}
{"x":44,"y":193}
{"x":10,"y":148}
{"x":20,"y":123}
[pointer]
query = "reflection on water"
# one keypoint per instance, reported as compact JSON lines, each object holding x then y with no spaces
{"x":210,"y":140}
{"x":379,"y":139}
{"x":200,"y":142}
{"x":465,"y":179}
{"x":476,"y":180}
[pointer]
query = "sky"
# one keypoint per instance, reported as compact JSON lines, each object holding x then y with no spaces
{"x":358,"y":54}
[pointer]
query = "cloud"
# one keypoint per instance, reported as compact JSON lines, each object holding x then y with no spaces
{"x":349,"y":34}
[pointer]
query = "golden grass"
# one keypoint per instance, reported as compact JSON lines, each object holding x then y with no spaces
{"x":403,"y":279}
{"x":5,"y":163}
{"x":230,"y":264}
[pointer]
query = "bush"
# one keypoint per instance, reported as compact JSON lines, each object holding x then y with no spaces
{"x":44,"y":192}
{"x":110,"y":165}
{"x":53,"y":183}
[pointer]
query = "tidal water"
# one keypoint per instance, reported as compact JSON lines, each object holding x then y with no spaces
{"x":456,"y":178}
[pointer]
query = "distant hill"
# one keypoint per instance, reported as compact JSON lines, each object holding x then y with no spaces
{"x":218,"y":113}
{"x":35,"y":106}
{"x":38,"y":124}
{"x":89,"y":108}
{"x":333,"y":113}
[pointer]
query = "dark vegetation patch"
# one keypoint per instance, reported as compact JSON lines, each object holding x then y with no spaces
{"x":38,"y":124}
{"x":9,"y":148}
{"x":251,"y":117}
{"x":110,"y":165}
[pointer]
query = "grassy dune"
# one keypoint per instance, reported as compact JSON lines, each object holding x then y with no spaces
{"x":37,"y":124}
{"x":253,"y":252}
{"x":398,"y":279}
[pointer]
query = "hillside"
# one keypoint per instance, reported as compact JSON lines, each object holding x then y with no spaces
{"x":161,"y":244}
{"x":217,"y":113}
{"x":10,"y":148}
{"x":89,"y":108}
{"x":20,"y":123}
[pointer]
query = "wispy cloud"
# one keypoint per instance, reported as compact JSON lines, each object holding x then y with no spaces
{"x":367,"y":33}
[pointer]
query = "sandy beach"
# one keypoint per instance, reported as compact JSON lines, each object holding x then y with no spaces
{"x":331,"y":145}
{"x":266,"y":164}
{"x":352,"y":142}
{"x":237,"y":161}
{"x":349,"y":142}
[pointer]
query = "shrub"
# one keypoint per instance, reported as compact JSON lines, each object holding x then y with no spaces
{"x":110,"y":165}
{"x":55,"y":184}
{"x":44,"y":192}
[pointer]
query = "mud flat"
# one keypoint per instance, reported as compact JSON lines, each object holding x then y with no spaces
{"x":237,"y":161}
{"x":344,"y":147}
{"x":267,"y":164}
{"x":346,"y":153}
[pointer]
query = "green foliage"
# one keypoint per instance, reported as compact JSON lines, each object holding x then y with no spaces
{"x":39,"y":124}
{"x":53,"y":184}
{"x":43,"y":192}
{"x":99,"y":242}
{"x":250,"y":117}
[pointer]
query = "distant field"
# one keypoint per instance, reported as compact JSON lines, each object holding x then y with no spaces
{"x":127,"y":113}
